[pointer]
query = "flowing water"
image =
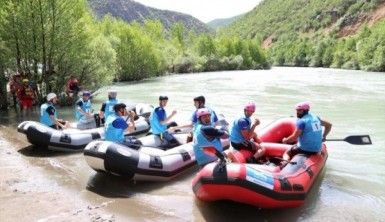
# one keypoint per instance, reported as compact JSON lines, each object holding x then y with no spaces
{"x":351,"y":187}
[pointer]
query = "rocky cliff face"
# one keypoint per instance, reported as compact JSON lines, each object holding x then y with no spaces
{"x":131,"y":11}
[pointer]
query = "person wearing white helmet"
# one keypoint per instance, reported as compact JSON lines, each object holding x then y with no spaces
{"x":243,"y":134}
{"x":48,"y":114}
{"x":206,"y":135}
{"x":107,"y":108}
{"x":308,"y":132}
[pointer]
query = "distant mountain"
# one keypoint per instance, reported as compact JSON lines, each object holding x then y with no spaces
{"x":219,"y":23}
{"x":131,"y":11}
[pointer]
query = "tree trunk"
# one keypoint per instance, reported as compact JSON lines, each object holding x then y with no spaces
{"x":44,"y":50}
{"x":3,"y":88}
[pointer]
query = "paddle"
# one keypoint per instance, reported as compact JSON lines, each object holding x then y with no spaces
{"x":356,"y":140}
{"x":211,"y":151}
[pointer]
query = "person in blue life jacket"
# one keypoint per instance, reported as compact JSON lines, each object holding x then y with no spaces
{"x":48,"y":114}
{"x":199,"y":103}
{"x":159,"y":122}
{"x":116,"y":126}
{"x":108,"y":106}
{"x":308,"y":132}
{"x":243,"y":135}
{"x":206,"y":135}
{"x":83,"y":112}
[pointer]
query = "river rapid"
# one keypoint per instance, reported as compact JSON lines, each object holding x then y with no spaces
{"x":51,"y":186}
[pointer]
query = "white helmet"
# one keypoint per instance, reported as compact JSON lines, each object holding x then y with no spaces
{"x":112,"y":93}
{"x":50,"y":96}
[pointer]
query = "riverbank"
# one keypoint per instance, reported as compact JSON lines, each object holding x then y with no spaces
{"x":28,"y":193}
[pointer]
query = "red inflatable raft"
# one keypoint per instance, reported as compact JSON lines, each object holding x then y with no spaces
{"x":266,"y":185}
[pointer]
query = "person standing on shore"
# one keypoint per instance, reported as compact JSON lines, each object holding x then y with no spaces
{"x":27,"y":97}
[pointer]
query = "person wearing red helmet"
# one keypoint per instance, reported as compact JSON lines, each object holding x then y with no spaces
{"x":308,"y":132}
{"x":206,"y":135}
{"x":243,"y":134}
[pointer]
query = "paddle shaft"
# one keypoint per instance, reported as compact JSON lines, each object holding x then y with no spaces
{"x":356,"y":140}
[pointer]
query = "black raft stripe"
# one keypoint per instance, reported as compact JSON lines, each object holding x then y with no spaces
{"x":137,"y":132}
{"x":92,"y":153}
{"x":163,"y":173}
{"x":68,"y":147}
{"x":95,"y":136}
{"x":250,"y":186}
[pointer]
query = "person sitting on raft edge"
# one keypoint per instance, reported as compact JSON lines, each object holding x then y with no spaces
{"x":159,"y":122}
{"x":116,"y":126}
{"x":48,"y":114}
{"x":206,"y":135}
{"x":308,"y":132}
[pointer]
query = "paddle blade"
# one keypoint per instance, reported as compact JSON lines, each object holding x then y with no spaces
{"x":211,"y":151}
{"x":359,"y":140}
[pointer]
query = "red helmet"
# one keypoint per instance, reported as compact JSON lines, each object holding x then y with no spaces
{"x":202,"y":112}
{"x":250,"y":106}
{"x":302,"y":106}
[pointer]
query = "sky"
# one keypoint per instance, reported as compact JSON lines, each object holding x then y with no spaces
{"x":204,"y":10}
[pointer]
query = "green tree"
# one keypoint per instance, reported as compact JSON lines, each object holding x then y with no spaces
{"x":206,"y":46}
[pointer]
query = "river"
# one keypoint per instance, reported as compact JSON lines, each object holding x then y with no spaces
{"x":351,"y":187}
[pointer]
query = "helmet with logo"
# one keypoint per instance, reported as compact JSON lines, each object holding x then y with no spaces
{"x":302,"y":106}
{"x":250,"y":106}
{"x":202,"y":112}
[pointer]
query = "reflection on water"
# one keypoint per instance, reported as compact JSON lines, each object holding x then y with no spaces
{"x":352,"y":184}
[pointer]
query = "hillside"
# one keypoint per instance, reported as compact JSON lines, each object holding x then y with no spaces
{"x":220,"y":23}
{"x":273,"y":18}
{"x":346,"y":34}
{"x":130,"y":11}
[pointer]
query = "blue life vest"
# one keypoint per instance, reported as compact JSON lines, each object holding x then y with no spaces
{"x":110,"y":107}
{"x":113,"y":134}
{"x":311,"y":138}
{"x":236,"y":134}
{"x":44,"y":116}
{"x":200,"y":141}
{"x":156,"y":127}
{"x":86,"y":107}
